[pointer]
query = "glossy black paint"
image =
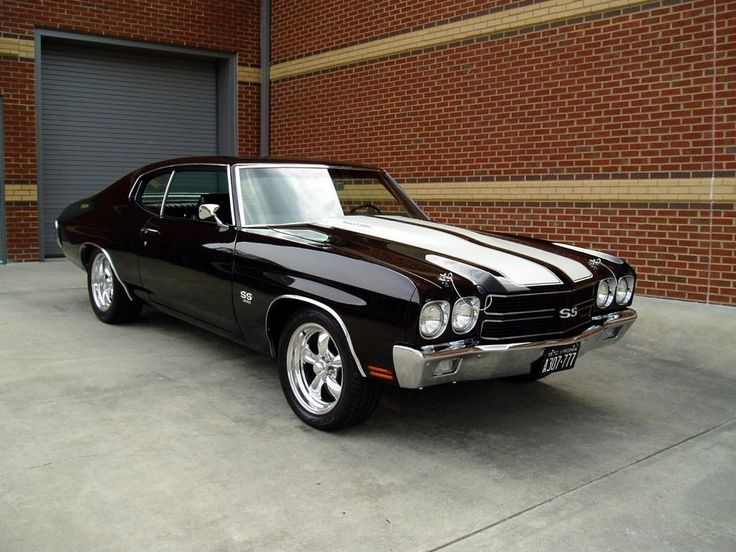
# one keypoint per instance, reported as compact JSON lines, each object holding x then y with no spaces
{"x":243,"y":282}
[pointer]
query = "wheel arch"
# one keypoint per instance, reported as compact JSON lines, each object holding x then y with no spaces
{"x":85,"y":256}
{"x":283,"y":306}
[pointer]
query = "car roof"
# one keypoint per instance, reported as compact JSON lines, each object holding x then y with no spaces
{"x":231,"y":160}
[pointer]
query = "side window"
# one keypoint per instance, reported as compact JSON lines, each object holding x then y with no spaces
{"x":152,"y":190}
{"x":364,"y":193}
{"x":192,"y":187}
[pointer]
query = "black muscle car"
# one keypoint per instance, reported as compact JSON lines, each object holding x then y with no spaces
{"x":335,"y":271}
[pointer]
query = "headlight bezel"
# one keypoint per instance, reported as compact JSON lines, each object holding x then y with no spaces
{"x":473,"y":303}
{"x":444,"y":307}
{"x":611,"y":283}
{"x":628,"y":294}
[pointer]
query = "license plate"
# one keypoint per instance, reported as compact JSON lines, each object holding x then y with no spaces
{"x":556,"y":359}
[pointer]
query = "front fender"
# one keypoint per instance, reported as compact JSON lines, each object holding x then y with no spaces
{"x":370,"y":301}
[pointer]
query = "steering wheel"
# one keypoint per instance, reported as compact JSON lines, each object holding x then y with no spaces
{"x":368,"y":206}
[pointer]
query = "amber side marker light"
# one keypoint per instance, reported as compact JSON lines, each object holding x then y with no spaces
{"x":380,"y":373}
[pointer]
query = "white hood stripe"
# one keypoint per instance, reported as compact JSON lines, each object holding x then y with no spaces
{"x":576,"y":271}
{"x":592,"y":253}
{"x":520,"y":271}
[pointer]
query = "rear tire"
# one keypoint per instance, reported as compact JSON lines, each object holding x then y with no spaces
{"x":319,"y":377}
{"x":107,"y":296}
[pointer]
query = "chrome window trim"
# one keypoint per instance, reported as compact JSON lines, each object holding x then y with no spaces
{"x":112,"y":264}
{"x":166,"y":193}
{"x":135,"y":188}
{"x":131,"y":193}
{"x":325,"y":308}
{"x":238,"y":187}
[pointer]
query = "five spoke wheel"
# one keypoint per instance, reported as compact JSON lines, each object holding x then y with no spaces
{"x":101,"y":282}
{"x":314,"y":368}
{"x":110,"y":302}
{"x":320,"y":377}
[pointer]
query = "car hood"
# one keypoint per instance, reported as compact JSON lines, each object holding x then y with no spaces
{"x":497,"y":262}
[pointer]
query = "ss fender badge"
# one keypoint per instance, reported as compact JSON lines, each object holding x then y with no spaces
{"x":569,"y":313}
{"x":247,"y":297}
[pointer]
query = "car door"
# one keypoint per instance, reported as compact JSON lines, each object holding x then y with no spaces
{"x":185,"y":262}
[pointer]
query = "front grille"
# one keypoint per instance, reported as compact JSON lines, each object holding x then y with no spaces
{"x":536,"y":316}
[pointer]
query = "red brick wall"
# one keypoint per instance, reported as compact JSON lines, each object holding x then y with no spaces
{"x":301,"y":27}
{"x":624,"y":95}
{"x":249,"y":95}
{"x":18,"y":89}
{"x":23,"y":234}
{"x":668,"y":244}
{"x":223,"y":25}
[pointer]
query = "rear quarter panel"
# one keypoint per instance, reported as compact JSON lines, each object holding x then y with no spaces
{"x":108,"y":220}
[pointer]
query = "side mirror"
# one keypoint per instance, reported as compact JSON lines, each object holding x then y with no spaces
{"x":208,"y":211}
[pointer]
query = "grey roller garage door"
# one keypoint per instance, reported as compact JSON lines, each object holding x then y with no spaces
{"x":105,"y":112}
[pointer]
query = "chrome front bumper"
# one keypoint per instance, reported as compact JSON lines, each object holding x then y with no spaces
{"x":415,"y":369}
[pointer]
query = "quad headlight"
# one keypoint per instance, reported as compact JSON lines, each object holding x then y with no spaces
{"x":465,"y":314}
{"x":605,"y":292}
{"x":434,"y":318}
{"x":609,"y":289}
{"x":624,"y":289}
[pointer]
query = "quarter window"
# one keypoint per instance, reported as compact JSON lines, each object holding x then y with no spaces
{"x":152,"y":191}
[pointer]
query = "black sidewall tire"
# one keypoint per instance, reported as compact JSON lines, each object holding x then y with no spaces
{"x":359,"y":397}
{"x":122,"y":308}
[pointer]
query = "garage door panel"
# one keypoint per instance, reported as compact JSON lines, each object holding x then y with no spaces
{"x":105,"y":112}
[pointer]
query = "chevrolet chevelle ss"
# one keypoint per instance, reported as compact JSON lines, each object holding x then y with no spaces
{"x":336,"y":272}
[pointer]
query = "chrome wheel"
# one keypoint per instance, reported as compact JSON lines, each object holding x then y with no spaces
{"x":314,"y":368}
{"x":101,"y":282}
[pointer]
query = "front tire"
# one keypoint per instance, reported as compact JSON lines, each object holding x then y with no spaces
{"x":107,"y":296}
{"x":319,"y":376}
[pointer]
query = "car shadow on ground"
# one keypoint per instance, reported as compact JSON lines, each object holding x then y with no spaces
{"x":484,"y":419}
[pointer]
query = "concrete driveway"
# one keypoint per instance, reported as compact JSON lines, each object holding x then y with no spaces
{"x":158,"y":436}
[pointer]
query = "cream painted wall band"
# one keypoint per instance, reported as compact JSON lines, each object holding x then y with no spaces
{"x":24,"y":48}
{"x":651,"y":190}
{"x":249,"y":74}
{"x":20,"y":192}
{"x":448,"y":33}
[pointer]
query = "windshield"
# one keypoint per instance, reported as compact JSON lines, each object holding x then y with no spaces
{"x":287,"y":195}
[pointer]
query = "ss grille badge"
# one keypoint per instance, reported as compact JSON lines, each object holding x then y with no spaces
{"x":569,"y":313}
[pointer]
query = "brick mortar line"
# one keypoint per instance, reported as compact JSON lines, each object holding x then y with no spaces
{"x":579,"y":204}
{"x":512,"y":29}
{"x":699,"y":176}
{"x":585,"y":485}
{"x":415,"y":28}
{"x":526,"y":203}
